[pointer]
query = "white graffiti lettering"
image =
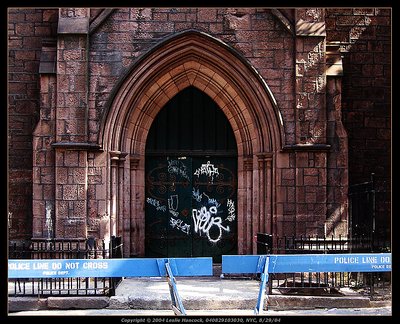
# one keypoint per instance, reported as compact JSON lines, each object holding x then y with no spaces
{"x":178,"y":168}
{"x":203,"y":222}
{"x":180,"y":225}
{"x":207,"y":169}
{"x":173,"y":202}
{"x":231,"y":210}
{"x":49,"y":222}
{"x":156,"y":203}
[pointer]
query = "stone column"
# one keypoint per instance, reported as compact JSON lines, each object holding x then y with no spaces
{"x":119,"y":195}
{"x":248,"y":204}
{"x":261,"y":193}
{"x":269,"y":198}
{"x":122,"y":193}
{"x":114,"y":159}
{"x":265,"y":192}
{"x":132,"y":224}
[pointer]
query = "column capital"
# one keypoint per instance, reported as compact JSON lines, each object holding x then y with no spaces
{"x":248,"y":163}
{"x":264,"y":156}
{"x":134,"y":161}
{"x":114,"y":155}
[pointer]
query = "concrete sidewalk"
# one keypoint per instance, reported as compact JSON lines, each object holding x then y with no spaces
{"x":215,"y":293}
{"x":119,"y":314}
{"x":201,"y":293}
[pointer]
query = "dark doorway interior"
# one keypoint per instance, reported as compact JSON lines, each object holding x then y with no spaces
{"x":191,"y":180}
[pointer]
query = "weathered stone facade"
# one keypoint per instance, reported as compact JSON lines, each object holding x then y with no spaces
{"x":86,"y":84}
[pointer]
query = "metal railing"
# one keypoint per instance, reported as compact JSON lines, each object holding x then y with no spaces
{"x":64,"y":249}
{"x":327,"y":283}
{"x":369,"y":212}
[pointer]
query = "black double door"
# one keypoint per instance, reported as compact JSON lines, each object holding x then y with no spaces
{"x":191,"y":206}
{"x":191,"y":180}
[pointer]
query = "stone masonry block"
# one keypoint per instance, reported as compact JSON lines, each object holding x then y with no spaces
{"x":77,"y":302}
{"x":19,"y":304}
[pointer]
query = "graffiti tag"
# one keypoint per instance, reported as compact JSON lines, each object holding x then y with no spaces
{"x":156,"y":203}
{"x":180,"y":225}
{"x":207,"y":169}
{"x":231,"y":210}
{"x":173,"y":202}
{"x":204,"y":221}
{"x":197,"y":195}
{"x":178,"y":168}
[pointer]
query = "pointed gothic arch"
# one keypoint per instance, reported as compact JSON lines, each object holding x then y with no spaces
{"x":196,"y":59}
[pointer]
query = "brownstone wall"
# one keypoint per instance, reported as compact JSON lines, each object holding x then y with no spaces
{"x":129,"y":32}
{"x":26,"y":30}
{"x":366,"y":106}
{"x":308,"y":185}
{"x":366,"y":36}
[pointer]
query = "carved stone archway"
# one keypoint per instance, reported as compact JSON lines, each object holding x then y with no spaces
{"x":194,"y":59}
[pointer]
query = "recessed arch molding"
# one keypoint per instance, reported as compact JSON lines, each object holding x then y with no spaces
{"x":192,"y":58}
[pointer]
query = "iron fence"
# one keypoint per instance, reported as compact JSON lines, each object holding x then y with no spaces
{"x":64,"y":249}
{"x":326,"y":283}
{"x":369,"y":232}
{"x":370,"y":211}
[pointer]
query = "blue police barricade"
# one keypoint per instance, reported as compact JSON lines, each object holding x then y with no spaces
{"x":290,"y":263}
{"x":103,"y":268}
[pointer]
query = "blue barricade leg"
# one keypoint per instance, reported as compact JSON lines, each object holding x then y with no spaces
{"x":177,"y":305}
{"x":262,"y":296}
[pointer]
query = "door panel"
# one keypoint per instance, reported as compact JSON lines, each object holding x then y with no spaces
{"x":191,"y":179}
{"x":156,"y":207}
{"x":214,"y":206}
{"x":191,"y":206}
{"x":168,"y":203}
{"x":179,"y":206}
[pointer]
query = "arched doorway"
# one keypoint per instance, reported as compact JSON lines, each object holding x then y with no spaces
{"x":191,"y":59}
{"x":191,"y":180}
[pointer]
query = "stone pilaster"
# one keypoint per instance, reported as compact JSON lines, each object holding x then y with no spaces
{"x":71,"y":147}
{"x":72,"y":75}
{"x":133,"y":228}
{"x":245,"y":196}
{"x":71,"y":193}
{"x":310,"y":148}
{"x":337,"y":163}
{"x":310,"y":76}
{"x":43,"y":203}
{"x":114,"y":160}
